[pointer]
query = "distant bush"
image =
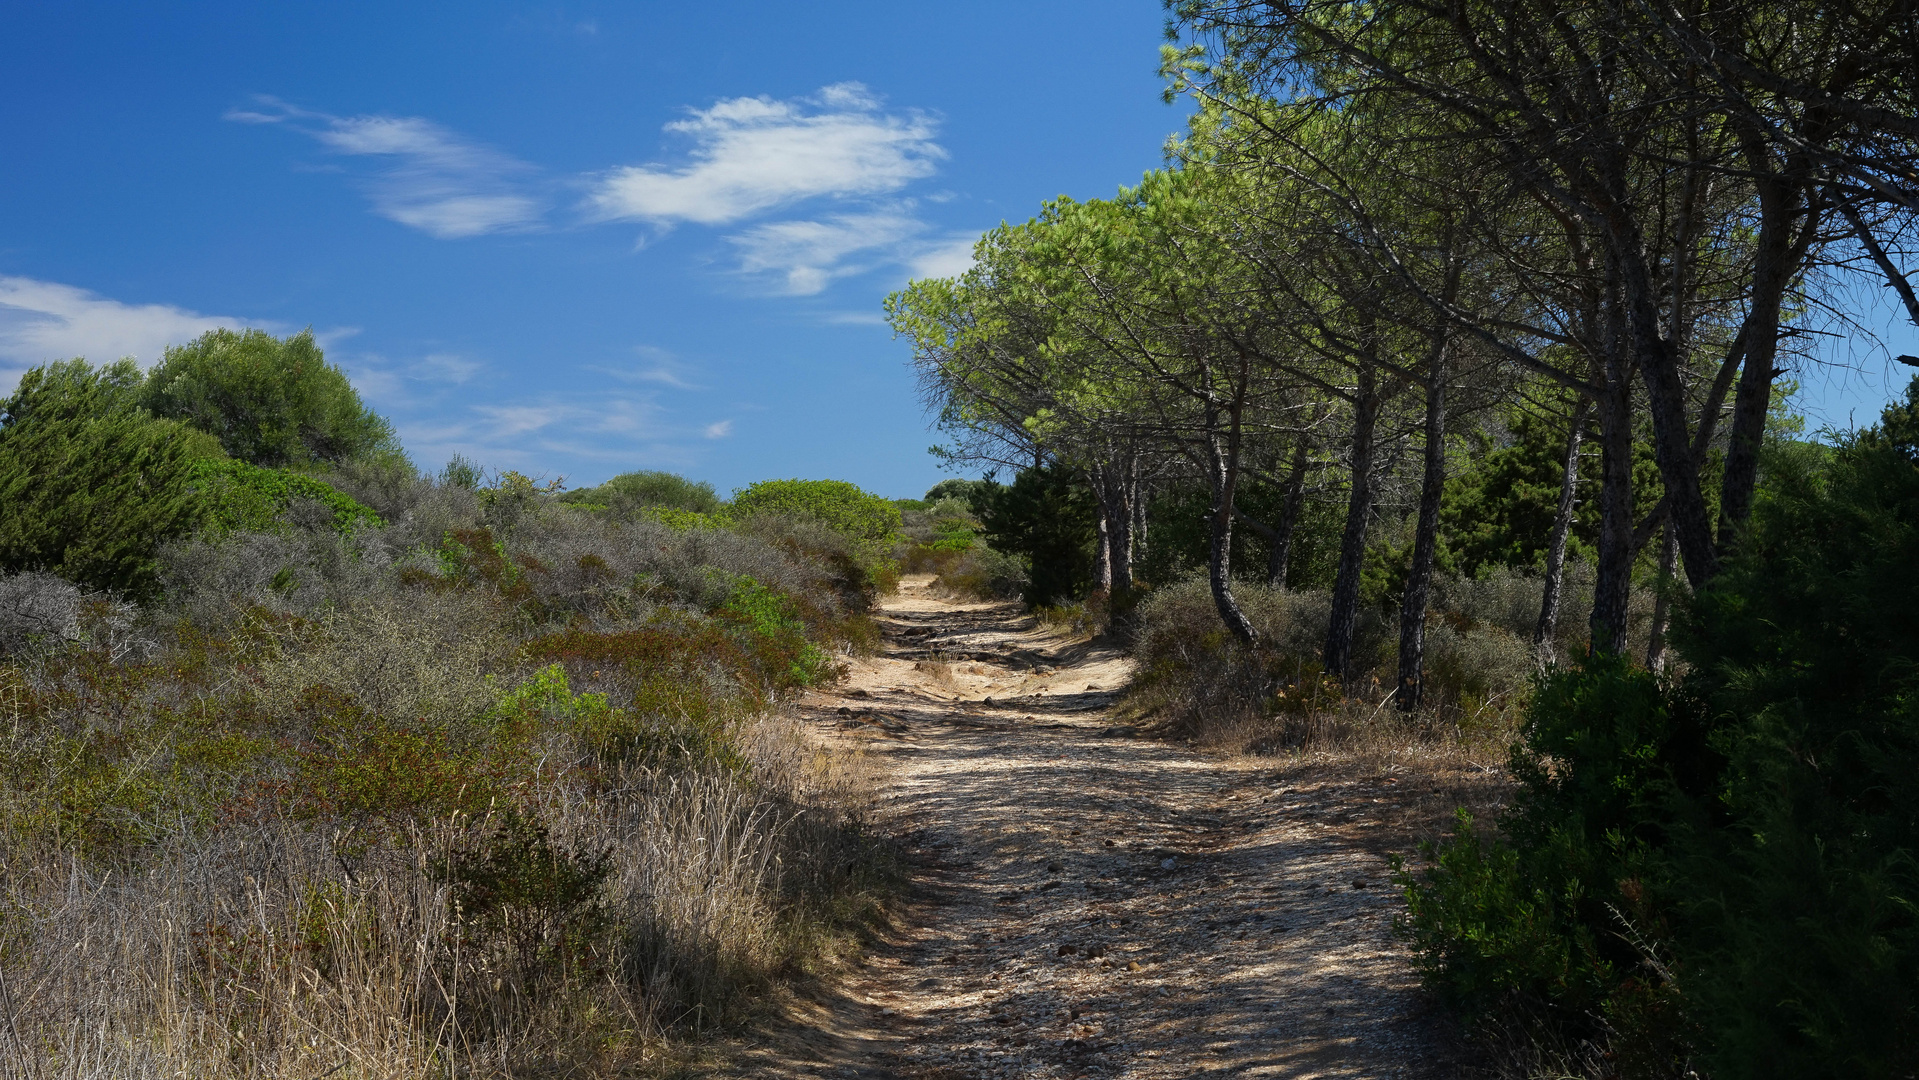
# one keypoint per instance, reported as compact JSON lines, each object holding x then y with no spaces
{"x":835,"y":503}
{"x":1045,"y":517}
{"x":628,"y":494}
{"x":270,"y":401}
{"x":979,"y":572}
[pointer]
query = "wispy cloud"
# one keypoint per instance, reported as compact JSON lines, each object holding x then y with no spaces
{"x":45,"y":320}
{"x":718,"y":431}
{"x":754,"y":154}
{"x":746,"y":159}
{"x":807,"y":255}
{"x":660,"y":366}
{"x":950,"y":257}
{"x":438,"y":181}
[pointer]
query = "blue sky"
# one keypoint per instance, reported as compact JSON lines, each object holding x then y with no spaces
{"x":567,"y":239}
{"x":575,"y":239}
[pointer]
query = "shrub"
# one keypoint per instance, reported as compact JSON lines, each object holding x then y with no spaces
{"x":981,"y":572}
{"x":837,"y":504}
{"x":270,"y":401}
{"x":239,"y":497}
{"x":629,"y":493}
{"x":91,"y":484}
{"x":1045,"y":517}
{"x":1720,"y":869}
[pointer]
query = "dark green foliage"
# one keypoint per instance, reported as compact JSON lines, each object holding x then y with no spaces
{"x":1803,"y":904}
{"x":953,"y":489}
{"x":239,"y":497}
{"x":835,"y":503}
{"x":627,"y":494}
{"x":270,"y":401}
{"x":1181,"y":532}
{"x":1536,"y":915}
{"x":1045,"y":516}
{"x":1499,"y":510}
{"x":91,"y":483}
{"x":1753,"y":827}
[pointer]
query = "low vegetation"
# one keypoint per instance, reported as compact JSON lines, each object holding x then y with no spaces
{"x":346,"y":771}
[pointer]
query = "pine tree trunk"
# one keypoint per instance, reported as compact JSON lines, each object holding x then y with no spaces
{"x":1352,"y":545}
{"x":1103,"y":540}
{"x":1547,"y":630}
{"x":1612,"y":580}
{"x":1662,"y":609}
{"x":1224,"y":453}
{"x":1412,"y":610}
{"x":1280,"y":550}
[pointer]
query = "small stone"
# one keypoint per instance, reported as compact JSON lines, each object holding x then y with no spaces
{"x":844,"y":711}
{"x":1110,"y":843}
{"x":1054,"y":868}
{"x":1132,"y":965}
{"x":1360,"y":883}
{"x":1168,"y":864}
{"x":1067,"y":950}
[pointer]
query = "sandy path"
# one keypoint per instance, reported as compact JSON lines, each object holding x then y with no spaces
{"x":1090,"y":904}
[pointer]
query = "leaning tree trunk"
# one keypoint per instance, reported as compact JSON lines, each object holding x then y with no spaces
{"x":1224,"y":461}
{"x":1352,"y":543}
{"x":1412,"y":608}
{"x":1548,"y":627}
{"x":1753,"y":399}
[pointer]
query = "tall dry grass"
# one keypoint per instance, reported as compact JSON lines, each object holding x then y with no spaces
{"x":323,"y":811}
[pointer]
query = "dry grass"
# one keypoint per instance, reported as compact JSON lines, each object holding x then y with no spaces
{"x":334,"y":818}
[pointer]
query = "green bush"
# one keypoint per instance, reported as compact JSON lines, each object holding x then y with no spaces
{"x":627,"y":494}
{"x":1046,"y":517}
{"x":839,"y":505}
{"x":239,"y":497}
{"x":270,"y":401}
{"x":91,"y":483}
{"x":1721,"y":872}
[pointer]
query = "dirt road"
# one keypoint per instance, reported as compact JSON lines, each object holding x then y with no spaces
{"x":1088,"y":903}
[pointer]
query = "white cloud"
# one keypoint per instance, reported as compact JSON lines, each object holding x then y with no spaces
{"x":807,"y":255}
{"x":44,"y":320}
{"x":718,"y":431}
{"x":753,"y":154}
{"x":948,"y":258}
{"x":440,"y":183}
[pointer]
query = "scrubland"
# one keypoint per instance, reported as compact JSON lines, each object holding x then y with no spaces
{"x":499,"y":787}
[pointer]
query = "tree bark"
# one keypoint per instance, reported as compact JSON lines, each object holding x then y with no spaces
{"x":1224,"y":453}
{"x":1352,"y":544}
{"x":1612,"y":583}
{"x":1753,"y":399}
{"x":1412,"y":608}
{"x":1662,"y":609}
{"x":1281,"y":549}
{"x":1547,"y":630}
{"x":1103,"y":538}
